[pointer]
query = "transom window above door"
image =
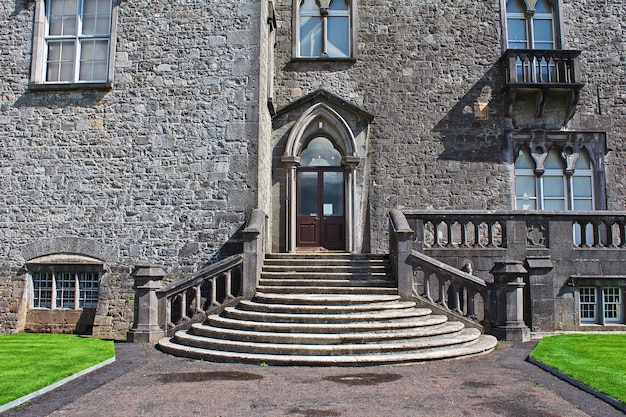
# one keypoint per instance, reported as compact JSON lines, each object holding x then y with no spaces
{"x":323,"y":28}
{"x":531,"y":25}
{"x":320,"y":152}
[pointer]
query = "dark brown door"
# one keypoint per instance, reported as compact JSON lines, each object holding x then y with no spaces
{"x":321,"y":219}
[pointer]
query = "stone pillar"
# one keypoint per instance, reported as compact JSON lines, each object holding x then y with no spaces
{"x":253,"y":252}
{"x":400,"y":246}
{"x":146,"y":327}
{"x":509,"y":298}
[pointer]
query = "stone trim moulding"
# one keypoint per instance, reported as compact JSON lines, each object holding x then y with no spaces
{"x":70,"y":245}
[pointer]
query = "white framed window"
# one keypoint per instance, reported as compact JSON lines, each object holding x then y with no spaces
{"x":73,"y":43}
{"x":600,"y":305}
{"x":612,"y":304}
{"x":65,"y":286}
{"x":323,"y":28}
{"x":587,"y":304}
{"x":530,"y":24}
{"x":551,"y":186}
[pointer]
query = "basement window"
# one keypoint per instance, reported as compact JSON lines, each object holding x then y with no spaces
{"x":65,"y":285}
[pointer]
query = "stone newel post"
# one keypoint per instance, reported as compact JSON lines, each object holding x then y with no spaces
{"x":400,"y":246}
{"x":146,"y":328}
{"x":509,"y":297}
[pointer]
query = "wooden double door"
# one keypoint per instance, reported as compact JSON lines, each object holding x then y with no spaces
{"x":321,"y":208}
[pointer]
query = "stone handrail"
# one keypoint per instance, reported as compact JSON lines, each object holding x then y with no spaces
{"x":495,"y":306}
{"x":161,"y":310}
{"x":451,"y":288}
{"x":493,"y":229}
{"x":208,"y":288}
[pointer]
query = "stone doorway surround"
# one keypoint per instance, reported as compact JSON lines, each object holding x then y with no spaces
{"x":347,"y":126}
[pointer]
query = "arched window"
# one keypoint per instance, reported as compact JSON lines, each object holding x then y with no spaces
{"x":528,"y":28}
{"x":323,"y":28}
{"x":542,"y":181}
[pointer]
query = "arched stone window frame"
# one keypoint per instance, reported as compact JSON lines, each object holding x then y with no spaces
{"x":529,"y":15}
{"x":325,"y":13}
{"x":320,"y":120}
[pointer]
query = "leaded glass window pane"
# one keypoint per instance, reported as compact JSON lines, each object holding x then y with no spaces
{"x":42,"y":290}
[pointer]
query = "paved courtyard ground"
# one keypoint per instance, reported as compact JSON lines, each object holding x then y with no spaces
{"x":146,"y":382}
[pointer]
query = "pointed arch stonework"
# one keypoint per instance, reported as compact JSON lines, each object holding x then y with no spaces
{"x":322,"y":114}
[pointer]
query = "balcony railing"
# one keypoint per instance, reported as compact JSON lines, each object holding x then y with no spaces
{"x":542,"y":70}
{"x":542,"y":66}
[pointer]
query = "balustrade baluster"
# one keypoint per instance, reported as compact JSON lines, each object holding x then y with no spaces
{"x":476,"y":234}
{"x":183,"y":305}
{"x":490,"y":242}
{"x":228,"y":285}
{"x":198,"y":298}
{"x":427,"y":284}
{"x":622,"y":234}
{"x":597,"y":234}
{"x":457,"y":299}
{"x":442,"y":291}
{"x":214,"y":301}
{"x":463,"y":234}
{"x":583,"y":235}
{"x":450,"y":242}
{"x":437,"y":242}
{"x":610,"y":236}
{"x":471,"y":304}
{"x":168,"y":312}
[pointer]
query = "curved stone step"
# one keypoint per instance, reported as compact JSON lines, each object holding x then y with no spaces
{"x":335,"y":282}
{"x":225,"y":322}
{"x":202,"y":329}
{"x":327,"y":290}
{"x":330,"y":318}
{"x":324,"y":299}
{"x":483,"y":344}
{"x":322,"y":309}
{"x":463,"y":337}
{"x":360,"y":268}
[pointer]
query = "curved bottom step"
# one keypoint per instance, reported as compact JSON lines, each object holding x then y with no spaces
{"x":484,"y":344}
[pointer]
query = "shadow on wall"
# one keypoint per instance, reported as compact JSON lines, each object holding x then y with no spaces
{"x":473,"y":131}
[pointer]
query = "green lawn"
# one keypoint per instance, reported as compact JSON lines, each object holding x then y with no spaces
{"x":30,"y":362}
{"x":596,"y":360}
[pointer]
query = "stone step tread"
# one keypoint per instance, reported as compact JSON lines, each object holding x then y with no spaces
{"x":291,"y":289}
{"x":448,"y":327}
{"x":484,"y":344}
{"x":400,"y":323}
{"x":324,"y":299}
{"x":298,"y":266}
{"x":309,"y":282}
{"x":295,"y":317}
{"x":323,"y":309}
{"x":327,"y":256}
{"x":328,"y":275}
{"x":448,"y":340}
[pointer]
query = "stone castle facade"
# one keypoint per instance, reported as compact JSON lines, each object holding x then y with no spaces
{"x":149,"y":136}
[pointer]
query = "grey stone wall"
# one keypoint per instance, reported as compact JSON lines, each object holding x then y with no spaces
{"x":420,"y":68}
{"x":163,"y":167}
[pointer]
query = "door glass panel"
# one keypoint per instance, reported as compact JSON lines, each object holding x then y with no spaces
{"x":307,"y":193}
{"x":333,"y":194}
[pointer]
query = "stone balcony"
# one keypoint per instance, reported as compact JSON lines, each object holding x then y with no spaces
{"x":542,"y":74}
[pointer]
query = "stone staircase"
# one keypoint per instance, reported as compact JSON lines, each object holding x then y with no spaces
{"x":327,"y":309}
